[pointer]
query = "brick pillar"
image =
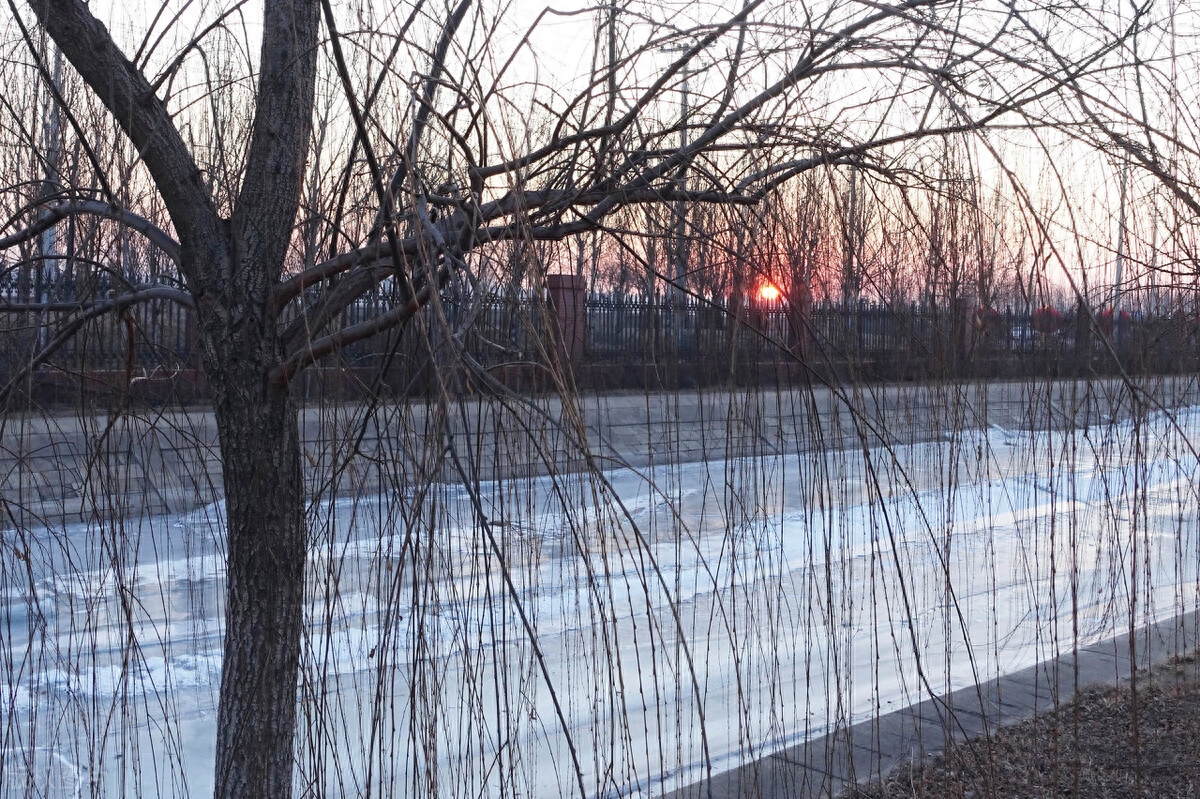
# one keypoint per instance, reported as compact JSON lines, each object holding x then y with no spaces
{"x":570,"y":315}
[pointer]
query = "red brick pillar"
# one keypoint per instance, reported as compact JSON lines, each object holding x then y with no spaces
{"x":567,"y":302}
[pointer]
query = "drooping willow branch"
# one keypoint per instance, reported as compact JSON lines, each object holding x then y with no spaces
{"x":87,"y":312}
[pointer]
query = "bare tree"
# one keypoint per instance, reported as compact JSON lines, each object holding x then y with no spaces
{"x":276,"y":226}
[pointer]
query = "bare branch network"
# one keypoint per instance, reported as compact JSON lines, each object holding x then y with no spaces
{"x":275,"y":168}
{"x":860,"y":87}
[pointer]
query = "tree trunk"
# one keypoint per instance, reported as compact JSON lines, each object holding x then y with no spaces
{"x":267,"y":542}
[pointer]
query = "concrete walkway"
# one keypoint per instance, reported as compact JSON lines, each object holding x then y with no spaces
{"x":875,"y":748}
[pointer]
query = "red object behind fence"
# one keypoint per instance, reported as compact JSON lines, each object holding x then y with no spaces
{"x":1046,"y":320}
{"x":1104,"y":320}
{"x":988,"y":321}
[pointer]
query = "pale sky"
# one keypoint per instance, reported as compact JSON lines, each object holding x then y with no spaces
{"x":565,"y":51}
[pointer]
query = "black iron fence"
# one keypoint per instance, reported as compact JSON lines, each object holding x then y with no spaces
{"x":628,"y":341}
{"x":156,"y":337}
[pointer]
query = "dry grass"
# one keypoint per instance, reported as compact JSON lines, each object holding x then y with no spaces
{"x":1128,"y":741}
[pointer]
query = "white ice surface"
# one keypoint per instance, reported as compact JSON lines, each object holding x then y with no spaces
{"x":643,"y":629}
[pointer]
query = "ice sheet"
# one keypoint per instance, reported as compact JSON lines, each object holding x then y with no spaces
{"x":625,"y":632}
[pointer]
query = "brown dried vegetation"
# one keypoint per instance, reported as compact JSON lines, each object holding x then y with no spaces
{"x":1140,"y":740}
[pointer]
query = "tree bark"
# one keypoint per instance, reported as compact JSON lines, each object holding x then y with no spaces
{"x":231,"y":266}
{"x":258,"y":428}
{"x":267,"y":544}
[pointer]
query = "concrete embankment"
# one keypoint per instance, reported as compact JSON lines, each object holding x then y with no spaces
{"x":65,"y":467}
{"x":871,"y":750}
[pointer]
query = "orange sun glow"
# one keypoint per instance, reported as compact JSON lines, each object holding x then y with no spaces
{"x":768,"y":292}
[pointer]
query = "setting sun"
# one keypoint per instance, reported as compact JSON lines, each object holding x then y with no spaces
{"x":769,"y":292}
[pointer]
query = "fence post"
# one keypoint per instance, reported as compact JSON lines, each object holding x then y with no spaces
{"x":567,"y":300}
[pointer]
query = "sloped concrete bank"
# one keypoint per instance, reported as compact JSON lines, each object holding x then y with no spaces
{"x":871,"y":750}
{"x":68,"y":468}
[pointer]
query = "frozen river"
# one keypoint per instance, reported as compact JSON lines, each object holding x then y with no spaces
{"x":614,"y":634}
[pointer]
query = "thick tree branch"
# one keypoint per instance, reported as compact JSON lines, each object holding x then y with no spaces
{"x":291,"y":288}
{"x":123,"y":89}
{"x":266,"y":206}
{"x":56,"y":213}
{"x":544,"y":214}
{"x":88,"y":312}
{"x":318,"y":349}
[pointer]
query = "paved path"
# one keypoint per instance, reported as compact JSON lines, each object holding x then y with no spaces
{"x":873,"y":749}
{"x":68,"y":467}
